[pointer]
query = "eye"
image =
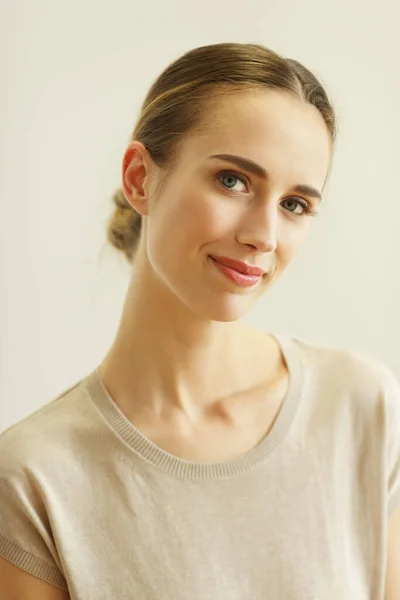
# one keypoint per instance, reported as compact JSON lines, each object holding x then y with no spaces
{"x":298,"y":207}
{"x":229,"y":179}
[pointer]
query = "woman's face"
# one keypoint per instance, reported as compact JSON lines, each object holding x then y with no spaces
{"x":215,"y":207}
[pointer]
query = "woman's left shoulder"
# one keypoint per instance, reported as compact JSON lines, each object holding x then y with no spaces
{"x":363,"y":392}
{"x":352,"y":370}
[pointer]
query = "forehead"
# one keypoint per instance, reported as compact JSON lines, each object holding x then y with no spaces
{"x":284,"y":134}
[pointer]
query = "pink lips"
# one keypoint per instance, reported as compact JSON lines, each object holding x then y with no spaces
{"x":241,"y":273}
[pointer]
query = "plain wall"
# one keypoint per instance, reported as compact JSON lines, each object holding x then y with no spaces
{"x":73,"y":76}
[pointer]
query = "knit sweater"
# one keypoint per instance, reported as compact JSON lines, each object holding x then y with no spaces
{"x":92,"y":506}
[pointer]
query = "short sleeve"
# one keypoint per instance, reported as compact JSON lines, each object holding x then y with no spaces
{"x":392,"y":391}
{"x":25,"y":533}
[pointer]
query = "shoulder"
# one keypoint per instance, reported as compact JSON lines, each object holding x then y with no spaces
{"x":355,"y":376}
{"x":350,"y":364}
{"x":354,"y":400}
{"x":39,"y":456}
{"x":37,"y":439}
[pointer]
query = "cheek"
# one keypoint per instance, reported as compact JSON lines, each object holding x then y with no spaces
{"x":180,"y":225}
{"x":199,"y":218}
{"x":198,"y":214}
{"x":291,"y":238}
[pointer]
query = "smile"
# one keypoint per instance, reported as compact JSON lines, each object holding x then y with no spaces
{"x":242,"y":279}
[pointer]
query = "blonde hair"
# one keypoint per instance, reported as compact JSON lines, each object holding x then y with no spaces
{"x":175,"y":105}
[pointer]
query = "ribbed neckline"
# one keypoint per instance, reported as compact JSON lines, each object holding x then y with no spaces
{"x":185,"y":469}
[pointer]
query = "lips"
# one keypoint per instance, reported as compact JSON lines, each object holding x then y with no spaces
{"x":239,"y":266}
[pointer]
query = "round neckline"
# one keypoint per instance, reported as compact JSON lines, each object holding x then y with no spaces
{"x":187,"y":469}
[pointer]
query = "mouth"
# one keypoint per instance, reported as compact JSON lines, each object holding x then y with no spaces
{"x":240,"y":273}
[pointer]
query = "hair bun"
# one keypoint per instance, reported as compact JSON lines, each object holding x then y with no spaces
{"x":123,"y":228}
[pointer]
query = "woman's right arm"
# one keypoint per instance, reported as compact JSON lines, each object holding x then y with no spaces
{"x":16,"y":584}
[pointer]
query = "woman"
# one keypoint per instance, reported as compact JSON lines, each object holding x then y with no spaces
{"x":204,"y":459}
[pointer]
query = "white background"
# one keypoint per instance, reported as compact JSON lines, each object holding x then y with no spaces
{"x":73,"y":75}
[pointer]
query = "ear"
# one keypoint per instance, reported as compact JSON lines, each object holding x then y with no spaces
{"x":135,"y":174}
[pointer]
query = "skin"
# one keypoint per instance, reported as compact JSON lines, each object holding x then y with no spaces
{"x":392,"y":587}
{"x":16,"y":584}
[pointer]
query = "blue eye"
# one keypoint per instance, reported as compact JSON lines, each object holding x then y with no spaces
{"x":305,"y":208}
{"x":294,"y":206}
{"x":232,"y":176}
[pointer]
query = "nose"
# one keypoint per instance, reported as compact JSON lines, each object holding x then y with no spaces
{"x":259,"y":229}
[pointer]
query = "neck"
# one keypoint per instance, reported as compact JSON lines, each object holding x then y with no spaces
{"x":165,"y":356}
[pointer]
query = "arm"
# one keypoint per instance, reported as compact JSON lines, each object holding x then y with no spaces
{"x":16,"y":584}
{"x":392,"y":589}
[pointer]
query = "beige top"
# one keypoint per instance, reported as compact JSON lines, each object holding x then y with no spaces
{"x":91,"y":505}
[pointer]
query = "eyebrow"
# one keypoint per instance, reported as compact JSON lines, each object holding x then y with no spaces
{"x":252,"y":167}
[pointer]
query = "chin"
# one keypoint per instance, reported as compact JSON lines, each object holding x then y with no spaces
{"x":218,"y":305}
{"x":225,"y":311}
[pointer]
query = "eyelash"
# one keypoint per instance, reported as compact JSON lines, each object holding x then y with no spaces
{"x":307,"y":208}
